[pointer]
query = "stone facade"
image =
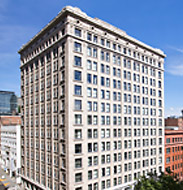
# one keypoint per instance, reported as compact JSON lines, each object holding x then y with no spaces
{"x":93,"y":106}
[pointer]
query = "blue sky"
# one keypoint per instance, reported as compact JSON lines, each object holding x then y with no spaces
{"x":157,"y":23}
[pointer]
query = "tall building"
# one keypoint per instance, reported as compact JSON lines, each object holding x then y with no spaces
{"x":93,"y":106}
{"x":174,"y":151}
{"x":8,"y":103}
{"x":10,"y":157}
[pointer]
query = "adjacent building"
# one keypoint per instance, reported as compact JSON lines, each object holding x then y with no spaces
{"x":174,"y":151}
{"x":174,"y":122}
{"x":10,"y":156}
{"x":8,"y":103}
{"x":92,"y":106}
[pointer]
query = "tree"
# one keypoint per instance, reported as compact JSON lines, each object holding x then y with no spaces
{"x":162,"y":182}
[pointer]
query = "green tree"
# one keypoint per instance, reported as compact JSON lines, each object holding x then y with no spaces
{"x":161,"y":182}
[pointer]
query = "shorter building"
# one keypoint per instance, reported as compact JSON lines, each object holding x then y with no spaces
{"x":8,"y":103}
{"x":10,"y":156}
{"x":174,"y":151}
{"x":174,"y":121}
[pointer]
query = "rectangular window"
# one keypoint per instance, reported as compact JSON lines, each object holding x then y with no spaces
{"x":77,"y":47}
{"x":78,"y":163}
{"x":78,"y":177}
{"x":78,"y":134}
{"x":78,"y":119}
{"x":78,"y":148}
{"x":77,"y":90}
{"x":78,"y":104}
{"x":77,"y":75}
{"x":77,"y":32}
{"x":89,"y":36}
{"x":77,"y":61}
{"x":95,"y":39}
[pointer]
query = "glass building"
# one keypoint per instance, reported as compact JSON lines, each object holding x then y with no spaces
{"x":8,"y":103}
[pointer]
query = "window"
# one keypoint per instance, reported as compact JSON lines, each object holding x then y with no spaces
{"x":78,"y":163}
{"x":78,"y":104}
{"x":94,"y":79}
{"x":77,"y":90}
{"x":95,"y":39}
{"x":102,"y":81}
{"x":94,"y":66}
{"x":78,"y":177}
{"x":78,"y":119}
{"x":89,"y":65}
{"x":77,"y":32}
{"x":89,"y":80}
{"x":89,"y":36}
{"x":78,"y":148}
{"x":95,"y":52}
{"x":168,"y":140}
{"x":102,"y":42}
{"x":168,"y":160}
{"x":167,"y":150}
{"x":78,"y":134}
{"x":77,"y":61}
{"x":77,"y":75}
{"x":77,"y":47}
{"x":89,"y":174}
{"x":95,"y":93}
{"x":89,"y":51}
{"x":102,"y":55}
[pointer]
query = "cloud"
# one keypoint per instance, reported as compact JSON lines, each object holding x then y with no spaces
{"x":175,"y":69}
{"x":174,"y":61}
{"x":173,"y":111}
{"x":180,"y":50}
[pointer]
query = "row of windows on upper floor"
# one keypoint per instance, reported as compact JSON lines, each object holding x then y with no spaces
{"x":127,"y":98}
{"x":109,"y":120}
{"x":93,"y":106}
{"x":127,"y":109}
{"x":44,"y":46}
{"x":105,"y":81}
{"x":117,"y":133}
{"x":176,"y":158}
{"x":93,"y":79}
{"x":174,"y":149}
{"x":118,"y":47}
{"x":174,"y":140}
{"x":90,"y":66}
{"x":117,"y":145}
{"x":116,"y":71}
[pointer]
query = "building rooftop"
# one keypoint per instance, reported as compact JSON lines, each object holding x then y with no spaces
{"x":10,"y":120}
{"x":95,"y":21}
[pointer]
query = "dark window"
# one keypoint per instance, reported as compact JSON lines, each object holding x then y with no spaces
{"x":77,"y":32}
{"x":78,"y":148}
{"x":77,"y":61}
{"x":77,"y":90}
{"x":77,"y":75}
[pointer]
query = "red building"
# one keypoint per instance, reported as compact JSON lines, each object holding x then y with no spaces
{"x":173,"y":121}
{"x":174,"y":152}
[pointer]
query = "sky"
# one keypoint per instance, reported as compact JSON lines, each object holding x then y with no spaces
{"x":157,"y":23}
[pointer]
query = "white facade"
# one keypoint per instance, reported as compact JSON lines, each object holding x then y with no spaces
{"x":10,"y":150}
{"x":93,"y":106}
